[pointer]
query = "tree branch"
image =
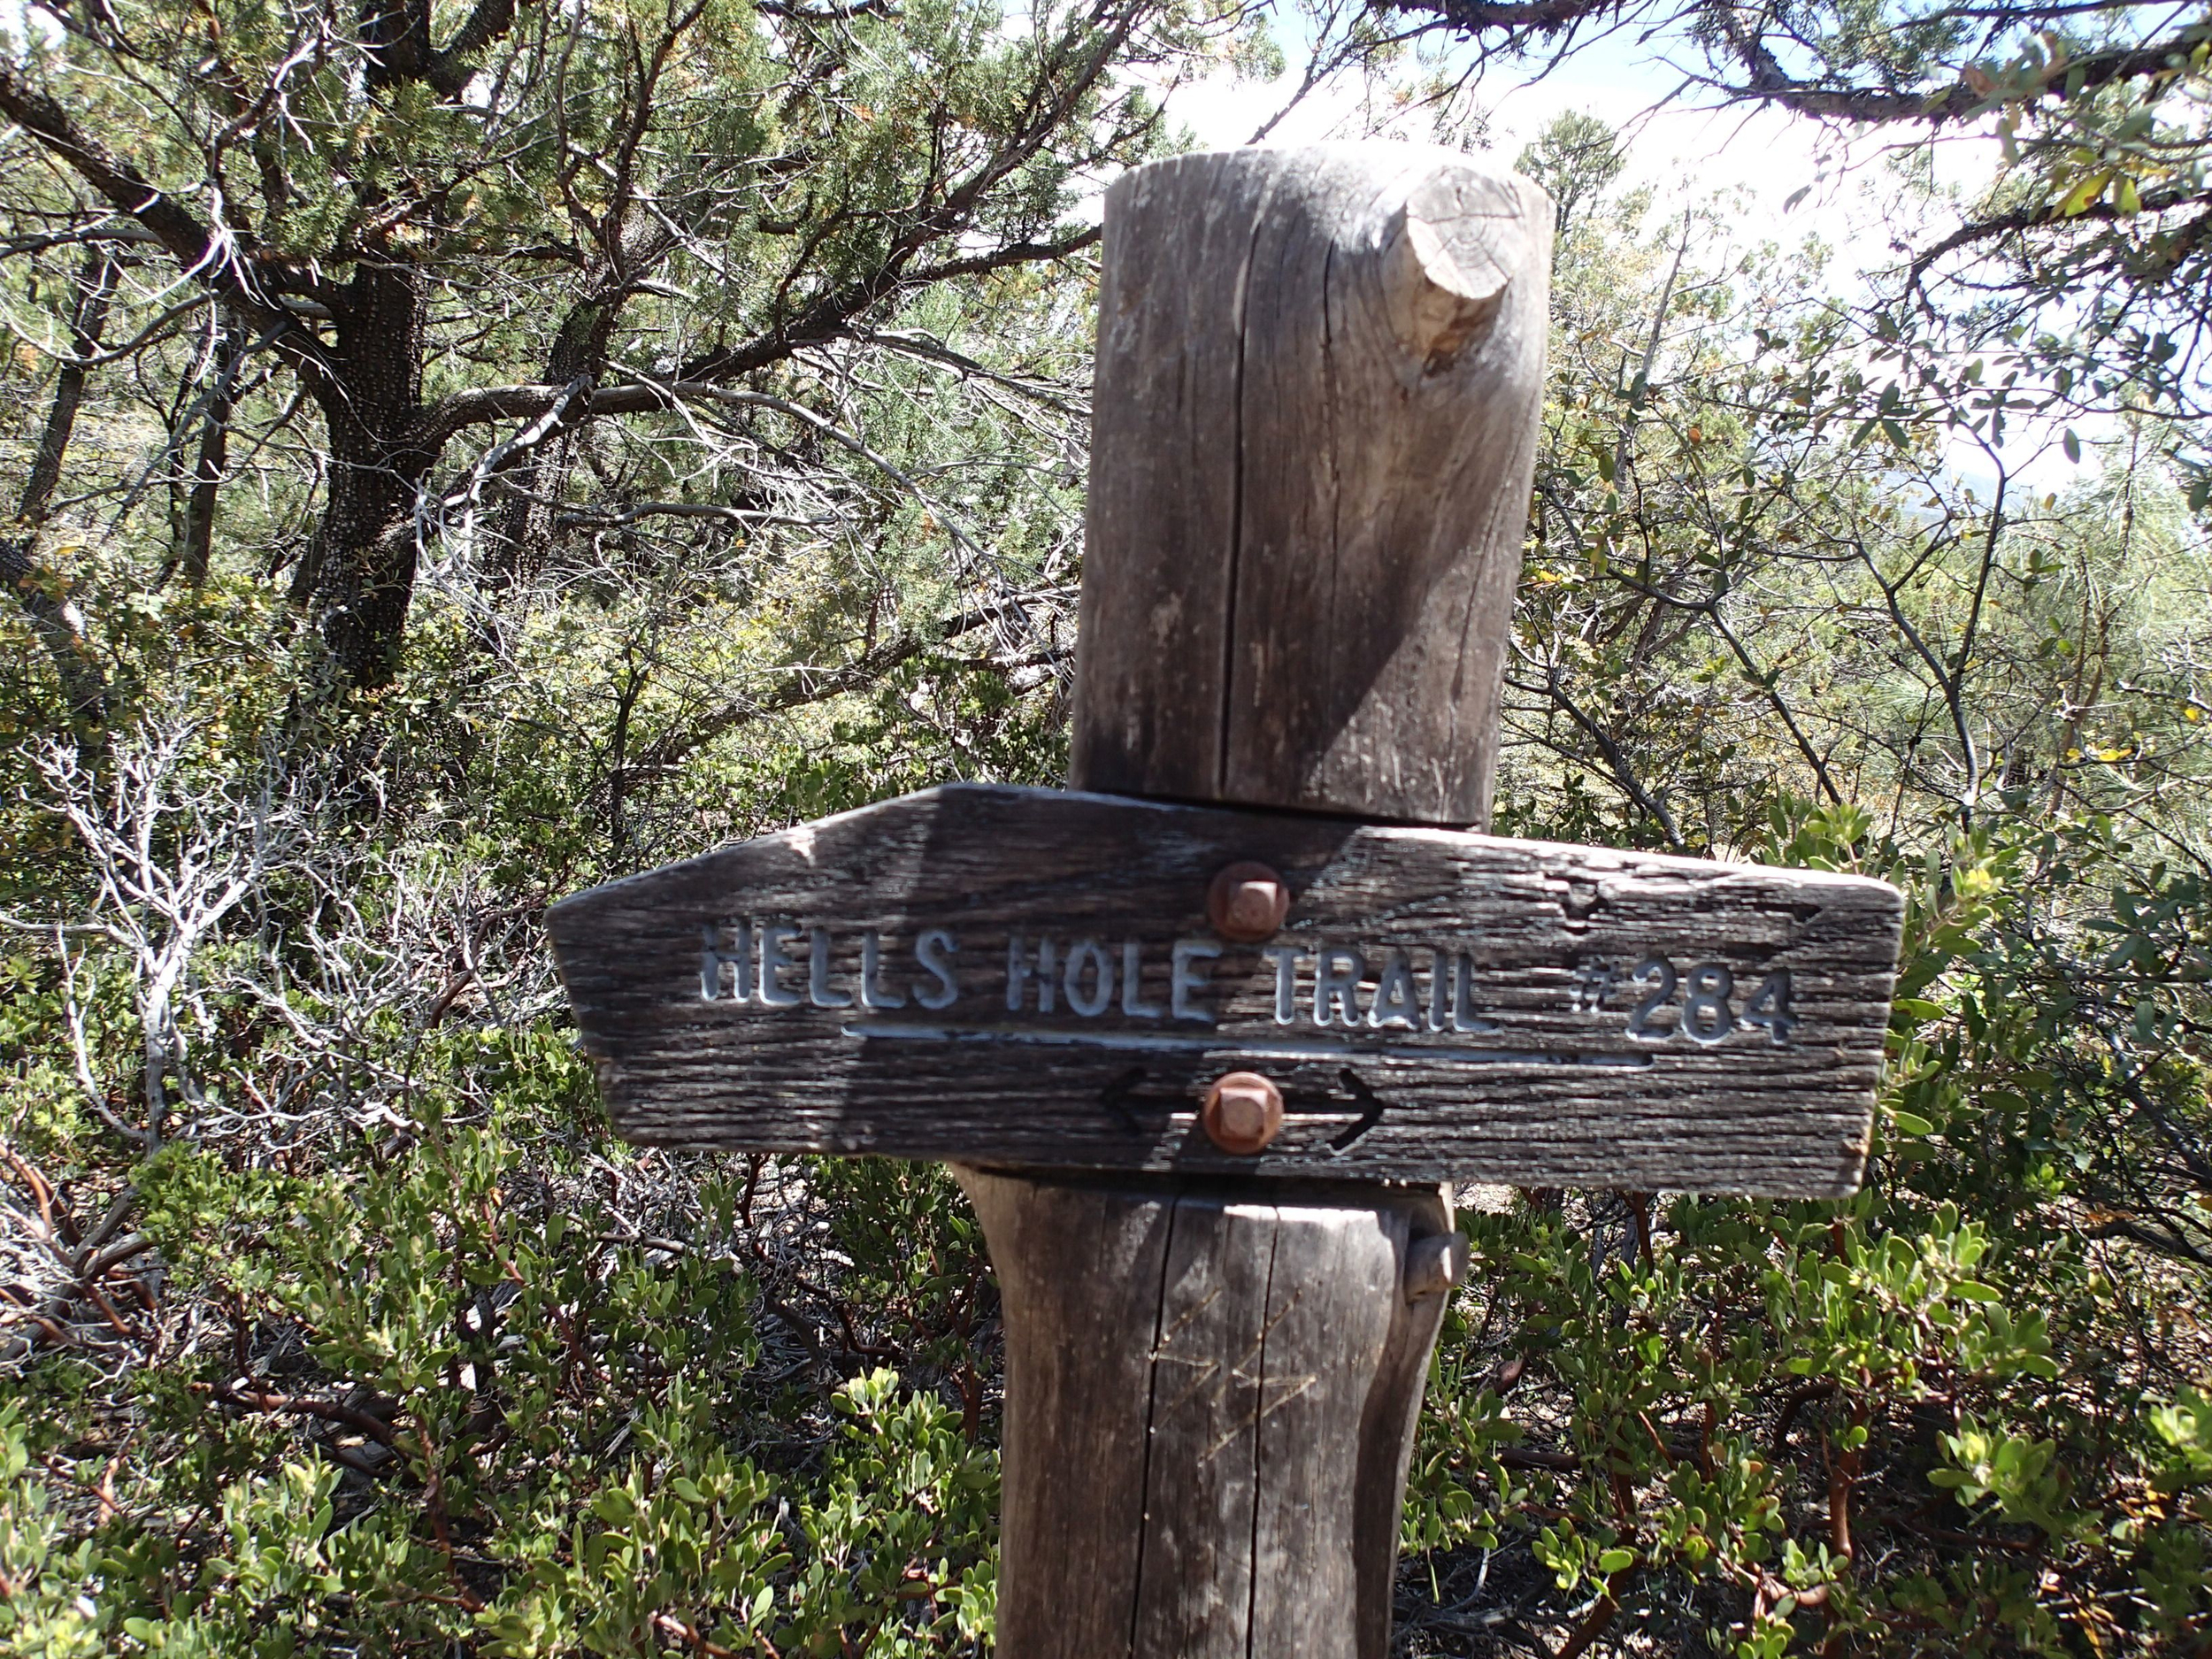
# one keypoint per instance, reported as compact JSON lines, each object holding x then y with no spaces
{"x":449,"y":71}
{"x":490,"y":405}
{"x":1624,"y":774}
{"x":43,"y":595}
{"x":1765,"y":80}
{"x":251,"y":1399}
{"x":2043,"y":216}
{"x":123,"y":187}
{"x":831,"y":315}
{"x":805,"y":684}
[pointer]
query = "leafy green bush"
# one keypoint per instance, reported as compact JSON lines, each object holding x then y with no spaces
{"x":1944,"y":1415}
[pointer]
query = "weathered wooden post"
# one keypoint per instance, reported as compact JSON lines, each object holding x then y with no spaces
{"x":1244,"y":1009}
{"x":1320,"y":374}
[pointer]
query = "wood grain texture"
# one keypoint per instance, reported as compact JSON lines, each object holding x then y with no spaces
{"x":1209,"y":1400}
{"x":1319,"y":378}
{"x":1555,"y":1090}
{"x":1079,"y":1272}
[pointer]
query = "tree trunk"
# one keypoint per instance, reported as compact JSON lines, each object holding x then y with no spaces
{"x":534,"y":480}
{"x":196,"y":545}
{"x":86,"y":319}
{"x":358,"y":574}
{"x":42,"y":593}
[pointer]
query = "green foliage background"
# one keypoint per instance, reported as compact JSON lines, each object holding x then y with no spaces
{"x":336,"y":1321}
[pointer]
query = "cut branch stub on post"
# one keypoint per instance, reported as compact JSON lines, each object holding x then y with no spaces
{"x":1319,"y":376}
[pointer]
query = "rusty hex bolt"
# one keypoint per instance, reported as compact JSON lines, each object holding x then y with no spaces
{"x":1247,"y":902}
{"x":1242,"y":1112}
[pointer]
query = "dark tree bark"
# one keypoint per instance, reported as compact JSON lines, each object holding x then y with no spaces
{"x":358,"y":570}
{"x":1747,"y":47}
{"x":87,"y":317}
{"x":350,"y":321}
{"x":527,"y":527}
{"x":196,"y":545}
{"x":40,"y":591}
{"x":356,"y":574}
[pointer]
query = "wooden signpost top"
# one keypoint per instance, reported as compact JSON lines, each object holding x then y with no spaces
{"x":1311,"y":460}
{"x":1237,"y":953}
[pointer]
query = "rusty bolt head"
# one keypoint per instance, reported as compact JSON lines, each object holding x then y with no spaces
{"x":1243,"y":1111}
{"x":1247,"y":902}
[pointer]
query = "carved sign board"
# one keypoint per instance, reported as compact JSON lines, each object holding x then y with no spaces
{"x":1027,"y":977}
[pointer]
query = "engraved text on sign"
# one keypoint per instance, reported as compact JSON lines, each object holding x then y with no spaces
{"x":1322,"y":986}
{"x":1030,"y":976}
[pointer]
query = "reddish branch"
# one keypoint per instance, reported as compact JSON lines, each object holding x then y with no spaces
{"x":1595,"y":1624}
{"x":1794,"y":1402}
{"x":690,"y":1636}
{"x":86,"y":1255}
{"x":250,"y":1399}
{"x":1843,"y":1475}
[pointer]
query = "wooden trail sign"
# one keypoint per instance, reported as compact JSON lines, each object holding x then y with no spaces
{"x":1244,"y":1023}
{"x":1030,"y":976}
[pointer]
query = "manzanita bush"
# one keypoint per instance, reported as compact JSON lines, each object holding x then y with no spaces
{"x":1942,"y":1416}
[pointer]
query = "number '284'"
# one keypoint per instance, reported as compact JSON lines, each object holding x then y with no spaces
{"x":1713,"y":1003}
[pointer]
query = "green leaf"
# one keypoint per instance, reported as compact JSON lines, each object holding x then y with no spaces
{"x":2077,"y":200}
{"x":1617,"y":1559}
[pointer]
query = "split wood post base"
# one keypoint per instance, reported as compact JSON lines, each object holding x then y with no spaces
{"x":1211,"y":1390}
